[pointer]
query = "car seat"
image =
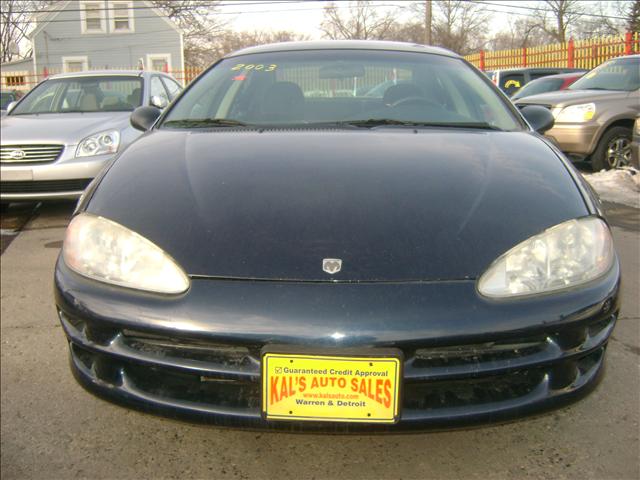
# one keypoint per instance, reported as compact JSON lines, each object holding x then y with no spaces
{"x":283,"y":101}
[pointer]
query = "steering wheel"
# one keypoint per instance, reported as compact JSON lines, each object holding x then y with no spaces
{"x":415,"y":99}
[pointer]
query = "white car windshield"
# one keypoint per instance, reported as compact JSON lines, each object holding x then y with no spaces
{"x":83,"y":94}
{"x":344,"y":87}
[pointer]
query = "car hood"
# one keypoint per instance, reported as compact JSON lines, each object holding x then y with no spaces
{"x":571,"y":97}
{"x":68,"y":128}
{"x":392,"y":204}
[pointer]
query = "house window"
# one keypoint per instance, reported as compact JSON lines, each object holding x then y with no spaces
{"x":121,"y":16}
{"x":15,"y":81}
{"x":92,"y":17}
{"x":75,"y":64}
{"x":160,"y":62}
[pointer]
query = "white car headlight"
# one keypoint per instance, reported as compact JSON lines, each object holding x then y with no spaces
{"x":106,"y":251}
{"x":99,"y":144}
{"x":569,"y":254}
{"x":575,"y":113}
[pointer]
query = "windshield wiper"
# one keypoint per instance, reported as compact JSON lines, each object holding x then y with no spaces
{"x":377,"y":122}
{"x":205,"y":122}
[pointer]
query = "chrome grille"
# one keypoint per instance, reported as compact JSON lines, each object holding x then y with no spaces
{"x":29,"y":153}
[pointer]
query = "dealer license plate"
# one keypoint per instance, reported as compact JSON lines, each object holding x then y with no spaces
{"x":330,"y":388}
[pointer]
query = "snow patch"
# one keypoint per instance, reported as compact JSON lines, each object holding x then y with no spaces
{"x":618,"y":186}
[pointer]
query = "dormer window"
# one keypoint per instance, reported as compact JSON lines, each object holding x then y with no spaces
{"x":92,"y":17}
{"x":121,"y":17}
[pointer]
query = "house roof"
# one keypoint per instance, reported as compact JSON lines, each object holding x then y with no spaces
{"x":17,"y":62}
{"x":44,"y":17}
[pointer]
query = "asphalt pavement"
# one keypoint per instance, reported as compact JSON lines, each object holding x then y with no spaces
{"x":51,"y":428}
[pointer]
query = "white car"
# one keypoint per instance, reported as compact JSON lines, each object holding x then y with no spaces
{"x":60,"y":135}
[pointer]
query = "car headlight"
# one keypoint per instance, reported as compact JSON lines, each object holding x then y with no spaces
{"x":576,"y":113}
{"x":106,"y":251}
{"x":99,"y":144}
{"x":569,"y":254}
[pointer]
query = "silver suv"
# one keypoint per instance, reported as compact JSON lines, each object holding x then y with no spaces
{"x":594,"y":116}
{"x":60,"y":135}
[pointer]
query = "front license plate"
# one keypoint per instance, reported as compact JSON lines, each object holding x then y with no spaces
{"x":330,"y":388}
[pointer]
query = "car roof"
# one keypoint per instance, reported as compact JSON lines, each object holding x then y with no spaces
{"x":343,"y":45}
{"x":541,"y":69}
{"x":560,"y":75}
{"x":105,"y":73}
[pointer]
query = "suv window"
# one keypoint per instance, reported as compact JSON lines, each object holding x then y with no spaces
{"x":536,"y":75}
{"x":511,"y":82}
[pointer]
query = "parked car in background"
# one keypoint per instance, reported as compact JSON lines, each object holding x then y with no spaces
{"x":635,"y":144}
{"x":59,"y":136}
{"x":6,"y":97}
{"x":512,"y":79}
{"x":264,"y":257}
{"x":594,"y":116}
{"x":546,"y":84}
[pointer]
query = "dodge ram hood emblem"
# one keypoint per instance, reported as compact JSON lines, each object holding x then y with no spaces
{"x":331,"y":265}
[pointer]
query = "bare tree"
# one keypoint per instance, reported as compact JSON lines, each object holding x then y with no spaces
{"x":230,"y":41}
{"x":413,"y":32}
{"x":458,"y":25}
{"x":361,"y":22}
{"x":15,"y":25}
{"x":562,"y":17}
{"x":522,"y":32}
{"x":200,"y":25}
{"x":633,"y":16}
{"x":609,"y":19}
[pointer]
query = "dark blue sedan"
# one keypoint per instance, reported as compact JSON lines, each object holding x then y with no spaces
{"x":281,"y":251}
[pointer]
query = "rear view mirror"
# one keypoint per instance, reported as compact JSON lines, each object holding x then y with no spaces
{"x":341,"y":70}
{"x":143,"y":118}
{"x":11,"y":106}
{"x":540,"y":118}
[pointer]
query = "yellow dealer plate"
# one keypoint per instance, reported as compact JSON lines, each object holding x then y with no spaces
{"x":330,"y":388}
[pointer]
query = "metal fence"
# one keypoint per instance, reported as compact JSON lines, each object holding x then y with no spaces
{"x":585,"y":54}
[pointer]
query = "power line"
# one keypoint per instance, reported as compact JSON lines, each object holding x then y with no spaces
{"x":338,"y":6}
{"x":538,"y":9}
{"x":135,"y":6}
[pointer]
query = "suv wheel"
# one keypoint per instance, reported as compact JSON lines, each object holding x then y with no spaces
{"x":613,"y":150}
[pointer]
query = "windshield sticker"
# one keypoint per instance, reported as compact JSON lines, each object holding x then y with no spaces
{"x":259,"y":67}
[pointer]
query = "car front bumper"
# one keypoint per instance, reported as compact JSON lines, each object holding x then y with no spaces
{"x":466,"y":359}
{"x":65,"y":178}
{"x":578,"y":140}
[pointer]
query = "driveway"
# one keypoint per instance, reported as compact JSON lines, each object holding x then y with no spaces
{"x":51,"y":428}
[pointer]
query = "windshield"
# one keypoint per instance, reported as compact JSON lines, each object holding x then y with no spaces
{"x":360,"y":88}
{"x":619,"y":74}
{"x":83,"y":94}
{"x":539,"y":86}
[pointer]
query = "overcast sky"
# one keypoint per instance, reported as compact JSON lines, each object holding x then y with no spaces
{"x":305,"y":16}
{"x":301,"y":16}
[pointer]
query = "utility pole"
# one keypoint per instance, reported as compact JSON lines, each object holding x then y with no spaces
{"x":427,"y":22}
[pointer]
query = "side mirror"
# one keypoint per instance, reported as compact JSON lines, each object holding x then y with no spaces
{"x":158,"y":101}
{"x":11,"y":106}
{"x":540,"y":118}
{"x":143,"y":118}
